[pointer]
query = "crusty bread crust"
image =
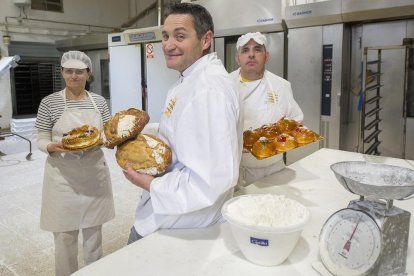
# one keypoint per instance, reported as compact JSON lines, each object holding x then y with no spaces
{"x":123,"y":126}
{"x":81,"y":138}
{"x":146,"y":154}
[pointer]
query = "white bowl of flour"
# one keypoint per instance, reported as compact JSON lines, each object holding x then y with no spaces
{"x":266,"y":227}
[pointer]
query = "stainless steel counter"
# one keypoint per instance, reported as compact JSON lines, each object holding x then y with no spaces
{"x":213,"y":251}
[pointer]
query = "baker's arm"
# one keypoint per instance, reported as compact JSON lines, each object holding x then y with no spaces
{"x":45,"y":143}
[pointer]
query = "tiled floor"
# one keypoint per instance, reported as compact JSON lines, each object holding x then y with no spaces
{"x":24,"y":248}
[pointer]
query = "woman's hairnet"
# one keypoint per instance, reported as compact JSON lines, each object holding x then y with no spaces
{"x":76,"y":60}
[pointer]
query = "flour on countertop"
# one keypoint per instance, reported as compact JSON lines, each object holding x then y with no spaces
{"x":267,"y":210}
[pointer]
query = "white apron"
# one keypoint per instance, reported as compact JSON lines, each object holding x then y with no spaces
{"x":77,"y":190}
{"x":252,"y":169}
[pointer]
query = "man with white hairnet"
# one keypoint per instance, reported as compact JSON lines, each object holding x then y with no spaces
{"x":267,"y":98}
{"x":77,"y":192}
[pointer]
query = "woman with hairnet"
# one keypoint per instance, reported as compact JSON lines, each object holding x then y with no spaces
{"x":77,"y":192}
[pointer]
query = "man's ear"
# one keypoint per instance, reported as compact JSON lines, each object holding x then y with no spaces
{"x":207,"y":40}
{"x":236,"y":57}
{"x":267,"y":56}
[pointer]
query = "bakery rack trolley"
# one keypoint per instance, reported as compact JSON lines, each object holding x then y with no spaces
{"x":371,"y":104}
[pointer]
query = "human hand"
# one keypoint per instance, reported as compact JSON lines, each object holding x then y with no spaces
{"x":138,"y":179}
{"x":55,"y":147}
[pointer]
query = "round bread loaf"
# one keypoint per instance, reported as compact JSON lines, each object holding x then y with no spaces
{"x":81,"y":138}
{"x":146,"y":154}
{"x":123,"y":126}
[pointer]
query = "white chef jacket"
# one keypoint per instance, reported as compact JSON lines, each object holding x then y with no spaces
{"x":201,"y":123}
{"x":265,"y":101}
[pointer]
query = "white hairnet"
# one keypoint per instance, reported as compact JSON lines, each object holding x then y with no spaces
{"x":258,"y":37}
{"x":76,"y":60}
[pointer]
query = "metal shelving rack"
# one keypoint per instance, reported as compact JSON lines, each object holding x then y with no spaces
{"x":369,"y":141}
{"x":371,"y":104}
{"x":34,"y":81}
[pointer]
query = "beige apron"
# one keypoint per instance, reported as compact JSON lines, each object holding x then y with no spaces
{"x":77,"y":191}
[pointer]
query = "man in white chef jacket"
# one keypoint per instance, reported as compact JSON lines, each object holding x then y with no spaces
{"x":202,"y":125}
{"x":267,"y":98}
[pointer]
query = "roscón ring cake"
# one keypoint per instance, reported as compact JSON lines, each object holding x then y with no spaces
{"x":123,"y":126}
{"x":81,"y":138}
{"x":146,"y":154}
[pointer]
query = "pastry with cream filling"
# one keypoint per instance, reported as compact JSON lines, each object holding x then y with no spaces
{"x":81,"y":138}
{"x":146,"y":154}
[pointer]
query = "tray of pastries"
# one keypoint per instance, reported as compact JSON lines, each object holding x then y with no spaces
{"x":279,"y":137}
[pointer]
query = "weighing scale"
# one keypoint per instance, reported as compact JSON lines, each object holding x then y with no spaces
{"x":370,"y":236}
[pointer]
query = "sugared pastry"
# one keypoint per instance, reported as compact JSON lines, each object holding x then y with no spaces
{"x":304,"y":135}
{"x":286,"y":125}
{"x":146,"y":154}
{"x":269,"y":131}
{"x":81,"y":138}
{"x":284,"y":142}
{"x":123,"y":126}
{"x":250,"y":137}
{"x":263,"y":148}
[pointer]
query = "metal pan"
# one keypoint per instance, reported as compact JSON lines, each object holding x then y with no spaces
{"x":378,"y":181}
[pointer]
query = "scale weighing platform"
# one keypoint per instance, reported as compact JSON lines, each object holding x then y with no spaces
{"x":370,"y":236}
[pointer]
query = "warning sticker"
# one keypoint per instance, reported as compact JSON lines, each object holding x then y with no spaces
{"x":149,"y":50}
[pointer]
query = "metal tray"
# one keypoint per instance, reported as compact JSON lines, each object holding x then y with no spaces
{"x":379,"y":181}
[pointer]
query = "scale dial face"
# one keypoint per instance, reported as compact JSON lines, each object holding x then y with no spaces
{"x":350,"y":242}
